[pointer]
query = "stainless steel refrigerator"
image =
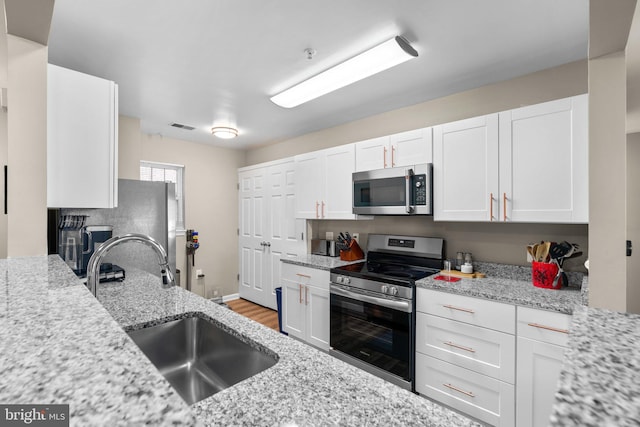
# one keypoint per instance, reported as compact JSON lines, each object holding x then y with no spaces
{"x":143,"y":207}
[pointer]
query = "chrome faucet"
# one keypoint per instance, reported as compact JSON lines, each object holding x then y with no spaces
{"x":93,"y":268}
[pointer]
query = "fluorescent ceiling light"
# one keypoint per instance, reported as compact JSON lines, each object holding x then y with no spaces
{"x":224,"y":132}
{"x":377,"y":59}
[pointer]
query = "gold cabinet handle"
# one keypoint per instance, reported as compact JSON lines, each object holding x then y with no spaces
{"x":385,"y":156}
{"x":303,"y":275}
{"x":300,"y":292}
{"x":459,"y":390}
{"x":466,"y":310}
{"x":461,"y":347}
{"x":322,"y":209}
{"x":504,"y":206}
{"x":548,"y":328}
{"x":491,"y":206}
{"x":306,"y":295}
{"x":317,"y":205}
{"x":393,"y":159}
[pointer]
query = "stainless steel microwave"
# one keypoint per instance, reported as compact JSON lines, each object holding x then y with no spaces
{"x":394,"y":191}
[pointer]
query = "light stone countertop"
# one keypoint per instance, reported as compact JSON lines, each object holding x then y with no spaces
{"x":60,"y":345}
{"x":599,"y":383}
{"x":508,"y":284}
{"x":320,"y":262}
{"x":509,"y":291}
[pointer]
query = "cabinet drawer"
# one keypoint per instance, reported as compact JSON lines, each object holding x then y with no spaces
{"x":306,"y":275}
{"x":479,"y":396}
{"x":481,"y":350}
{"x":478,"y":312}
{"x":543,"y":325}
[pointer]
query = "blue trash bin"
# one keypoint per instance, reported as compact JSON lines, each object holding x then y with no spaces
{"x":279,"y":302}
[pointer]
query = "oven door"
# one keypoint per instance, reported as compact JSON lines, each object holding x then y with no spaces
{"x":375,"y":330}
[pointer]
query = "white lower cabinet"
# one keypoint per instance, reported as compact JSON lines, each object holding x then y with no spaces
{"x":542,"y":340}
{"x":465,"y":355}
{"x":477,"y":395}
{"x":305,"y":304}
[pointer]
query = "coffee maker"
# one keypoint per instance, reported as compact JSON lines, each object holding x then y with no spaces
{"x":77,"y":242}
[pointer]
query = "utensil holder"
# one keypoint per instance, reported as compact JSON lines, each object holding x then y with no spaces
{"x":354,"y":252}
{"x":543,"y":275}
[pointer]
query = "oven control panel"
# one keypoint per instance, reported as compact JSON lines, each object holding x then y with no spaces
{"x":343,"y":280}
{"x":389,"y":290}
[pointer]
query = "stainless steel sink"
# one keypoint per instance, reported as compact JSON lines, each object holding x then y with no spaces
{"x":198,"y":357}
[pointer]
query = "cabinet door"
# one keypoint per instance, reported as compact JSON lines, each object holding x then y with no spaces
{"x":309,"y":181}
{"x":539,"y":366}
{"x":544,"y":162}
{"x":338,"y":191}
{"x":412,"y":148}
{"x":293,"y":309}
{"x":252,"y":233}
{"x":373,"y":154}
{"x":281,"y":238}
{"x":317,"y":305}
{"x":82,"y":140}
{"x":465,"y":169}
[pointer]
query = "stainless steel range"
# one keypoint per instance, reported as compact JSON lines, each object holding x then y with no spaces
{"x":373,"y":305}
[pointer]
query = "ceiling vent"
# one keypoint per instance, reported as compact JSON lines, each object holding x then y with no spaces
{"x":181,"y":126}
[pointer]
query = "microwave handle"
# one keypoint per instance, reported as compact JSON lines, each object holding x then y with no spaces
{"x":408,"y":188}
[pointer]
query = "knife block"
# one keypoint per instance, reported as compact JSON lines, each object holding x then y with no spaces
{"x":354,"y":252}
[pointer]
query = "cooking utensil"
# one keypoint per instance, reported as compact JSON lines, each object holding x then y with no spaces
{"x":545,"y":251}
{"x":560,"y":250}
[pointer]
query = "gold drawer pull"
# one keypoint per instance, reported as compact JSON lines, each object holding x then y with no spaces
{"x":461,"y":347}
{"x":466,"y":310}
{"x":548,"y":328}
{"x":303,"y":275}
{"x":454,"y":388}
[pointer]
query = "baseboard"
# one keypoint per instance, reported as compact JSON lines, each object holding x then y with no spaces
{"x":230,"y":297}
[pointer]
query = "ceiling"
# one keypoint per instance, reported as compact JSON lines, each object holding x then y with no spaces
{"x":217,"y":62}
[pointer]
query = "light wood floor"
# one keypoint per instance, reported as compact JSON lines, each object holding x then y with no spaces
{"x":260,"y":314}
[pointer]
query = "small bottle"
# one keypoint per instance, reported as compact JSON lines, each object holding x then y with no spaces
{"x":459,"y":260}
{"x":467,"y":258}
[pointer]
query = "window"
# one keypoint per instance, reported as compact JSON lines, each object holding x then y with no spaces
{"x":165,"y":172}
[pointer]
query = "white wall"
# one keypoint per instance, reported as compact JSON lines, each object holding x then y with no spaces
{"x":559,"y":82}
{"x":488,"y":242}
{"x":27,"y":148}
{"x":633,"y":222}
{"x":211,"y":196}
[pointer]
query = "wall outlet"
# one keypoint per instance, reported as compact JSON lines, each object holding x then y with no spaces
{"x":328,"y":235}
{"x":198,"y":273}
{"x":356,"y":237}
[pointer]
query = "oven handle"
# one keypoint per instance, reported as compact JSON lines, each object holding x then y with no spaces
{"x":404,"y":306}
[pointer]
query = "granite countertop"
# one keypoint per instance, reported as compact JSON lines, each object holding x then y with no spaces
{"x":60,"y":345}
{"x":509,"y":284}
{"x":320,"y":262}
{"x":599,"y":383}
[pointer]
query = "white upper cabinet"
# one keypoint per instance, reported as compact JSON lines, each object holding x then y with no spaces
{"x":402,"y":149}
{"x":82,"y":140}
{"x":372,"y":154}
{"x":544,"y":162}
{"x":411,"y":148}
{"x":323,"y":183}
{"x":524,"y":165}
{"x":465,"y":170}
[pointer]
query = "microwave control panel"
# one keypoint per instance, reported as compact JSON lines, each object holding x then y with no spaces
{"x":419,"y":190}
